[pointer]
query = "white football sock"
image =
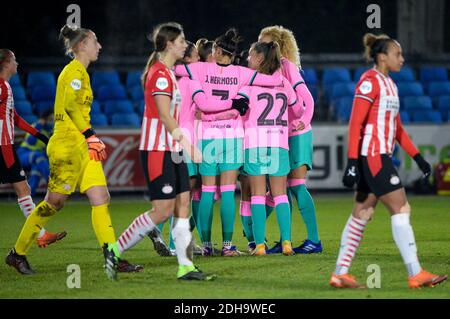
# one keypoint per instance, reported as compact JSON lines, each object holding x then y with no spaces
{"x":404,"y":238}
{"x":182,"y":237}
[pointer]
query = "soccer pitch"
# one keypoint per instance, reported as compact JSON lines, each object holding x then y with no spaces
{"x":268,"y":277}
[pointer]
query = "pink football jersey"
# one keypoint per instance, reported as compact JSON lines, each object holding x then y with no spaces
{"x":222,"y":82}
{"x":266,"y":123}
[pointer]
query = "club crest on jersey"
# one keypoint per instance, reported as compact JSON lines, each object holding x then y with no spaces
{"x":75,"y":84}
{"x":167,"y":189}
{"x":162,"y":83}
{"x":366,"y":87}
{"x":395,"y":180}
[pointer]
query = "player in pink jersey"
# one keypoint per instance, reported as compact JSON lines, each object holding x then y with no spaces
{"x":266,"y":144}
{"x":221,"y":141}
{"x":300,"y":137}
{"x":193,"y":97}
{"x":374,"y":128}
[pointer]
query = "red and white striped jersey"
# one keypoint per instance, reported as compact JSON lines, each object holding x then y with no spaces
{"x":6,"y":114}
{"x":380,"y":126}
{"x":154,"y":136}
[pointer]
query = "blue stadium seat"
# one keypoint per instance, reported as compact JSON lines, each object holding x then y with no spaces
{"x":137,"y":93}
{"x":133,"y":79}
{"x":43,"y":106}
{"x":41,"y":79}
{"x":130,"y":119}
{"x":99,"y":119}
{"x":336,"y":75}
{"x":404,"y":117}
{"x":340,"y":107}
{"x":416,"y":103}
{"x":444,"y":107}
{"x":19,"y":93}
{"x":433,"y":74}
{"x":406,"y":74}
{"x":427,"y":117}
{"x":310,"y":76}
{"x":343,"y":90}
{"x":43,"y":93}
{"x":15,"y":80}
{"x":112,"y":92}
{"x":314,"y":91}
{"x":30,"y":118}
{"x":410,"y":89}
{"x":358,"y":72}
{"x":95,"y":108}
{"x":114,"y":107}
{"x":23,"y":108}
{"x":101,"y":78}
{"x":332,"y":76}
{"x":437,"y":89}
{"x":140,"y":107}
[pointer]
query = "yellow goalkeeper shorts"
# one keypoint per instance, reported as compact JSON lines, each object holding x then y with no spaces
{"x":71,"y":167}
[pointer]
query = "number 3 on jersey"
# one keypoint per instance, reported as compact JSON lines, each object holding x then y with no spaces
{"x":262,"y":120}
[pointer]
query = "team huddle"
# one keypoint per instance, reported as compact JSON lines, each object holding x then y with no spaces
{"x":213,"y":117}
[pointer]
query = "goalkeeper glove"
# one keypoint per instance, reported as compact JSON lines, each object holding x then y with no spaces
{"x":96,"y":147}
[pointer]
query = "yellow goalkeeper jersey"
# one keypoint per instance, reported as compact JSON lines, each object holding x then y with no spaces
{"x":73,"y":102}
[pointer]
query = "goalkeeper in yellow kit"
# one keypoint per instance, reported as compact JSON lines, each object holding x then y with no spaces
{"x":75,"y":153}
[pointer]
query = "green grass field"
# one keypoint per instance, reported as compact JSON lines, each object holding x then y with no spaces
{"x":274,"y":276}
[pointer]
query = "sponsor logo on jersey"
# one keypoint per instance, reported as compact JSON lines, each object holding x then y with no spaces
{"x":366,"y":87}
{"x":75,"y":84}
{"x":22,"y":173}
{"x":162,"y":83}
{"x":66,"y":187}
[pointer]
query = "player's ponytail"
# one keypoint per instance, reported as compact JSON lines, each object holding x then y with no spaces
{"x":72,"y":36}
{"x":162,"y":34}
{"x":204,"y":48}
{"x":272,"y":56}
{"x":229,"y":43}
{"x":376,"y":44}
{"x":5,"y":55}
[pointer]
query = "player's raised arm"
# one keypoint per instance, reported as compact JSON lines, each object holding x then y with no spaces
{"x":252,"y":77}
{"x":188,"y":70}
{"x":209,"y":105}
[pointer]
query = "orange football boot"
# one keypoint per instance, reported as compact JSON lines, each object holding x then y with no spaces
{"x":287,"y":248}
{"x":425,"y":279}
{"x":50,"y":238}
{"x":345,"y":281}
{"x":260,"y":250}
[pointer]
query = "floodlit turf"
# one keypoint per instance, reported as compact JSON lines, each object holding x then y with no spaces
{"x":275,"y":276}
